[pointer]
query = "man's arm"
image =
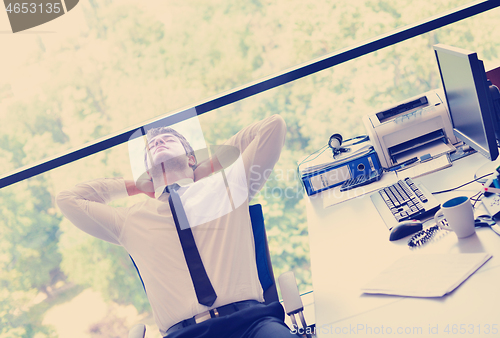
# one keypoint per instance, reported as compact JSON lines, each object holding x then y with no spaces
{"x":143,"y":186}
{"x":260,"y":145}
{"x":85,"y":205}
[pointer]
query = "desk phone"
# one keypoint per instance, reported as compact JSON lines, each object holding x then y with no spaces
{"x":361,"y":180}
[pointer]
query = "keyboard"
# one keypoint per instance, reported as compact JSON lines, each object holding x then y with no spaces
{"x":404,"y":200}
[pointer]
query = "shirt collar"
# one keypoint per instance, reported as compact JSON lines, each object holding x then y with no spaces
{"x":182,"y":182}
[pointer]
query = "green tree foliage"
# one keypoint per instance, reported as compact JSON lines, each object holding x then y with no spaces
{"x":103,"y":266}
{"x":29,"y":256}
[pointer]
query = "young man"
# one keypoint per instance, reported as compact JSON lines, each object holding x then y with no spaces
{"x":213,"y":195}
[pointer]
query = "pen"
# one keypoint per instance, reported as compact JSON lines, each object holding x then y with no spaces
{"x":487,"y":185}
{"x":491,"y":190}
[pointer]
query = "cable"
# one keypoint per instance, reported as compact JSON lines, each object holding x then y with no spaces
{"x":361,"y":139}
{"x":477,"y":199}
{"x":322,"y":151}
{"x":357,"y":139}
{"x":460,"y":186}
{"x":423,"y":236}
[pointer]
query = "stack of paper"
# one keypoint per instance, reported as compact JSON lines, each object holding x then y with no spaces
{"x":427,"y":167}
{"x":431,"y":275}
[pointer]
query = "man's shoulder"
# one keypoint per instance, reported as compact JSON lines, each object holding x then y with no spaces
{"x":145,"y":206}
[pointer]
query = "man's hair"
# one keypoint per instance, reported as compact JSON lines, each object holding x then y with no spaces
{"x":167,"y":130}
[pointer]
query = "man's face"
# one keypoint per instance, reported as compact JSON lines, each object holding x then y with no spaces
{"x":165,"y":147}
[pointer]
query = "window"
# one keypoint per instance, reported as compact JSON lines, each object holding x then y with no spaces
{"x":122,"y":66}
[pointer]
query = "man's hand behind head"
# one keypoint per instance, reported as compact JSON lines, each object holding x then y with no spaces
{"x":143,"y":186}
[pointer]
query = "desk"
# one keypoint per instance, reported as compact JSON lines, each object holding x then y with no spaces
{"x":349,"y":245}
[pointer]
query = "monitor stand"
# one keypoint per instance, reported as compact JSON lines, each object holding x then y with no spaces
{"x":495,"y":100}
{"x":487,"y":168}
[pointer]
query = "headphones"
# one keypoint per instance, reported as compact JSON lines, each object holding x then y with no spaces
{"x":335,"y":143}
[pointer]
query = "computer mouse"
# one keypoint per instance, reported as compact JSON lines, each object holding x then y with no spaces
{"x":404,"y":229}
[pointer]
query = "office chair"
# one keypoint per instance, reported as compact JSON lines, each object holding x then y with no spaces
{"x":264,"y":266}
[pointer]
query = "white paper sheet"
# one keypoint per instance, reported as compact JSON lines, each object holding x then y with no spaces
{"x":426,"y":167}
{"x":426,"y":275}
{"x":335,"y":196}
{"x":434,"y":149}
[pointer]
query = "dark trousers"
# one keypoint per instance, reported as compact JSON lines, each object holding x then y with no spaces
{"x":258,"y":321}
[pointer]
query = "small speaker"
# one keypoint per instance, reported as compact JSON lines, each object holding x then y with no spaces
{"x":290,"y":293}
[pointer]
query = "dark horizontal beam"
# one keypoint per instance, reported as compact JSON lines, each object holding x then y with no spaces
{"x":88,"y":149}
{"x":58,"y":161}
{"x":260,"y":86}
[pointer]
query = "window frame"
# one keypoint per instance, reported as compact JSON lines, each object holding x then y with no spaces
{"x":259,"y":86}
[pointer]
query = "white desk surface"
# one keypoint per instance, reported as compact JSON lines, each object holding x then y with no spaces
{"x":349,"y":245}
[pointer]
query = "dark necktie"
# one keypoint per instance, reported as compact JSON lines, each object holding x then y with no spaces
{"x":204,"y":290}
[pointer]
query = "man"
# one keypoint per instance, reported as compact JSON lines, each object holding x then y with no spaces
{"x":216,"y":212}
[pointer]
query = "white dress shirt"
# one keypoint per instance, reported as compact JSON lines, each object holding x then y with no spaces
{"x":218,"y":215}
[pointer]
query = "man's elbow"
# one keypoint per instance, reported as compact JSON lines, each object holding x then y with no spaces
{"x":64,"y":200}
{"x":279,"y":126}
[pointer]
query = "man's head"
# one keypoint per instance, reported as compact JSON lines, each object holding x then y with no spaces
{"x":166,"y":145}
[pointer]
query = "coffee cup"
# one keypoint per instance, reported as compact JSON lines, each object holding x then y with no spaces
{"x":459,"y":215}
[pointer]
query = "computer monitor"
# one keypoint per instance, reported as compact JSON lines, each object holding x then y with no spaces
{"x":469,"y":101}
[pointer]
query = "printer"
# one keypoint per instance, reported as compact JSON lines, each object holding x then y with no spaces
{"x":412,"y":128}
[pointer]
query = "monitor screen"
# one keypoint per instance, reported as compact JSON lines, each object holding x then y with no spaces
{"x":467,"y":94}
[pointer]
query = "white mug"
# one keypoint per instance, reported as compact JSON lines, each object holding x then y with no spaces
{"x":459,"y":215}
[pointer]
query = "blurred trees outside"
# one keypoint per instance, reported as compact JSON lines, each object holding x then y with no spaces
{"x":129,"y":67}
{"x":29,"y":256}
